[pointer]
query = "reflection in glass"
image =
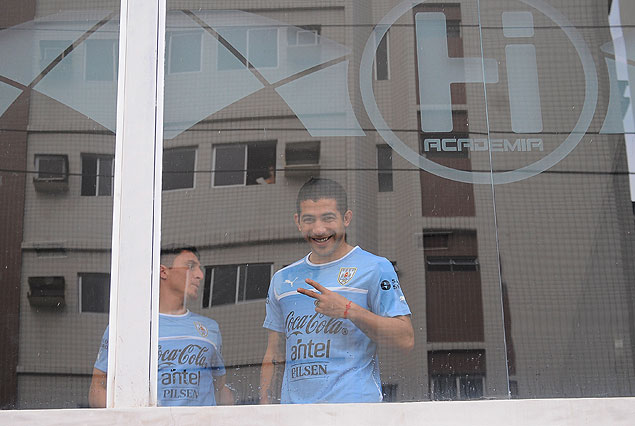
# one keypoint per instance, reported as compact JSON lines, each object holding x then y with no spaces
{"x":58,"y":84}
{"x":517,"y":290}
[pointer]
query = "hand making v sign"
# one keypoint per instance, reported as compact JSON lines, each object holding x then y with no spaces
{"x":327,"y":302}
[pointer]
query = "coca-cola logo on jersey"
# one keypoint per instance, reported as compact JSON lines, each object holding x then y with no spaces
{"x":316,"y":323}
{"x":191,"y":354}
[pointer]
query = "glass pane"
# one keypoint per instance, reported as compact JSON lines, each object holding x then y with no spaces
{"x":560,"y":111}
{"x":58,"y":87}
{"x":273,"y":106}
{"x":441,"y":123}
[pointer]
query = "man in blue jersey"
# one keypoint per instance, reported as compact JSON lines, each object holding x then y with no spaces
{"x":327,"y":312}
{"x":190,"y":364}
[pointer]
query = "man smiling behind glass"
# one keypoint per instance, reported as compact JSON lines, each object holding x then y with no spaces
{"x":332,"y":307}
{"x":191,"y":367}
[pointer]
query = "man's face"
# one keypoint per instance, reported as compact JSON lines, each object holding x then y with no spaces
{"x":184,"y":276}
{"x":324,"y":228}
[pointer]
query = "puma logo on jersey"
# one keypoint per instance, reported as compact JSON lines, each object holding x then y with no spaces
{"x":290,"y":282}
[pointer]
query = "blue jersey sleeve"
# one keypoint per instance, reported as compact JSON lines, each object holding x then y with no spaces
{"x":385,"y":295}
{"x":273,"y":317}
{"x":218,"y":363}
{"x":102,"y":356}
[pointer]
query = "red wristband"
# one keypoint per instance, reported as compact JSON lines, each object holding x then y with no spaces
{"x":348,"y":305}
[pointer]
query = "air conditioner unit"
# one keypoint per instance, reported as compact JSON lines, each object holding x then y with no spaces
{"x":46,"y":292}
{"x":302,"y":159}
{"x":52,"y":173}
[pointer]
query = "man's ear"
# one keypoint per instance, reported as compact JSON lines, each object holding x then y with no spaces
{"x":163,"y":272}
{"x":296,"y":219}
{"x":348,"y":216}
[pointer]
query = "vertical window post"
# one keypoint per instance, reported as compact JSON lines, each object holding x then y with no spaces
{"x":132,"y":357}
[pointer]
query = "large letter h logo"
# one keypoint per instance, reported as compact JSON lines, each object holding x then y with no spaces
{"x":437,"y":71}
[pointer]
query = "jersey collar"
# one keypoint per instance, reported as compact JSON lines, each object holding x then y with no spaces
{"x":320,"y":265}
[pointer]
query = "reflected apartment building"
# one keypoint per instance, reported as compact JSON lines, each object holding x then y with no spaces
{"x":519,"y":289}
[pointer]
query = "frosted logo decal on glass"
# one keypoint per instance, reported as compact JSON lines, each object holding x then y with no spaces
{"x":53,"y":38}
{"x":435,"y":77}
{"x":310,"y":77}
{"x":213,"y":59}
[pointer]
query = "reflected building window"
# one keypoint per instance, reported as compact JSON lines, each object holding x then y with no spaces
{"x":184,"y":52}
{"x":454,"y":387}
{"x":51,"y":166}
{"x":178,"y":168}
{"x":442,"y":197}
{"x":439,"y":196}
{"x":102,"y":60}
{"x":389,"y":392}
{"x":456,"y":374}
{"x":304,"y":35}
{"x":51,"y":173}
{"x":94,"y":292}
{"x":259,"y":44}
{"x":228,"y":284}
{"x":382,"y":57}
{"x":262,"y":47}
{"x":302,"y":159}
{"x":384,"y":168}
{"x":454,"y":305}
{"x":49,"y":51}
{"x":448,"y":263}
{"x":97,"y":174}
{"x":47,"y":292}
{"x":244,"y":164}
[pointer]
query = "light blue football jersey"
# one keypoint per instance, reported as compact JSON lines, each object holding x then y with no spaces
{"x":189,"y":358}
{"x":330,"y":359}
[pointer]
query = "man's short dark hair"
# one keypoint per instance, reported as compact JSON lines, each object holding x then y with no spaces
{"x":321,"y":188}
{"x":168,"y":254}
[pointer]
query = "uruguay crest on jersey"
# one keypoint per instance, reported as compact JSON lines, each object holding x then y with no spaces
{"x":201,"y":329}
{"x":346,"y":275}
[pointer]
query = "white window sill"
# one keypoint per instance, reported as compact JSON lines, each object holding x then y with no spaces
{"x":545,"y":412}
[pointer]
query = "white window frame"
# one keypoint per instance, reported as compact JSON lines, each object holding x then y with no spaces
{"x":297,"y":43}
{"x":132,"y":378}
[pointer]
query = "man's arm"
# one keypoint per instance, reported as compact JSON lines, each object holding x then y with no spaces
{"x":224,"y":395}
{"x":392,"y":331}
{"x":97,"y":392}
{"x":274,"y":355}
